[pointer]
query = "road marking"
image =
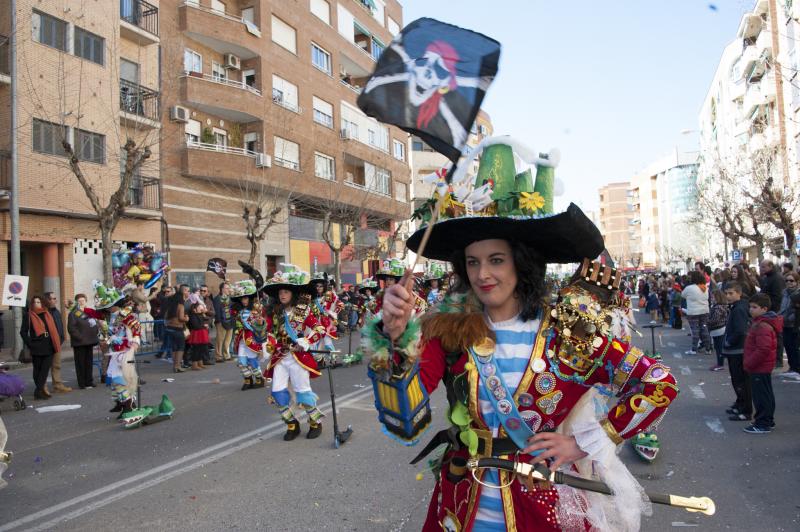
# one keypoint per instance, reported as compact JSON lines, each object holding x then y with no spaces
{"x":678,"y":355}
{"x":696,"y":391}
{"x":225,"y":448}
{"x":686,"y":370}
{"x":670,"y":344}
{"x":714,"y":424}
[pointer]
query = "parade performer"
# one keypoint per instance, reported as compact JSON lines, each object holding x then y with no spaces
{"x":391,"y":271}
{"x":434,"y":276}
{"x":121,"y":335}
{"x":252,"y":339}
{"x":295,"y":329}
{"x":521,"y":375}
{"x":367,"y":304}
{"x":327,"y":307}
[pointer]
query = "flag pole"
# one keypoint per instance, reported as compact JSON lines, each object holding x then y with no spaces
{"x":425,"y":236}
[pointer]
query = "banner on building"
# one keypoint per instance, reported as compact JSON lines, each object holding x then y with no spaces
{"x":15,"y":290}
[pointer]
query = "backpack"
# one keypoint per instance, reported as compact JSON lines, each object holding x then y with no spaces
{"x":718,"y":316}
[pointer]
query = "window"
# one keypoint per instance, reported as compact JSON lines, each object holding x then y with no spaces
{"x":91,"y":146}
{"x":192,"y":61}
{"x":129,"y":71}
{"x":249,"y":15}
{"x":287,"y":153}
{"x":323,"y":112}
{"x":193,"y":279}
{"x":251,"y":142}
{"x":220,"y":137}
{"x":400,"y":191}
{"x":417,"y":145}
{"x":47,"y":137}
{"x":322,"y":10}
{"x":284,"y":93}
{"x":320,"y":58}
{"x":284,"y":35}
{"x":392,"y":26}
{"x":349,"y":129}
{"x":399,"y":150}
{"x":49,"y":30}
{"x":218,"y":72}
{"x":249,"y":78}
{"x":192,"y":131}
{"x":372,"y":138}
{"x":218,"y":6}
{"x":377,"y":48}
{"x":324,"y":166}
{"x":377,"y":179}
{"x":89,"y":46}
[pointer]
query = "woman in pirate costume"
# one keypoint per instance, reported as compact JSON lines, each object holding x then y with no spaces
{"x":326,"y":307}
{"x":391,"y":272}
{"x":252,"y":339}
{"x":367,"y":304}
{"x":521,"y":376}
{"x":121,"y":334}
{"x":295,"y":329}
{"x":434,"y":276}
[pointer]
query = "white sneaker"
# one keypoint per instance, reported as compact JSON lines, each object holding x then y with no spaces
{"x":690,"y":352}
{"x":789,"y":375}
{"x":653,"y":322}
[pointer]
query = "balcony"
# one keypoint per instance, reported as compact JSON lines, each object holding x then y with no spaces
{"x":138,"y":105}
{"x":224,"y":33}
{"x":351,"y":74}
{"x":144,"y":194}
{"x":764,"y":42}
{"x":749,"y":57}
{"x":222,"y":163}
{"x":5,"y":60}
{"x":226,"y":98}
{"x":138,"y":21}
{"x":767,"y":138}
{"x":750,"y":27}
{"x":738,"y":89}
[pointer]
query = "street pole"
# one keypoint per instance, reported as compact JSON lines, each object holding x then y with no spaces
{"x":15,"y":266}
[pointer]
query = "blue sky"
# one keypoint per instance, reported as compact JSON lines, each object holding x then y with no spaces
{"x":610,"y":83}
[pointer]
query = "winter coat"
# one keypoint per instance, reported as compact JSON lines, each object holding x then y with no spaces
{"x":82,"y":328}
{"x":789,"y":308}
{"x":736,"y":328}
{"x":772,"y":284}
{"x":696,"y":300}
{"x":762,"y":343}
{"x":59,"y":323}
{"x":652,"y":302}
{"x":40,"y":346}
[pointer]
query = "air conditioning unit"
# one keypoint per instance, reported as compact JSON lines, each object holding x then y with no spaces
{"x":233,"y":62}
{"x":263,"y":160}
{"x":178,"y":113}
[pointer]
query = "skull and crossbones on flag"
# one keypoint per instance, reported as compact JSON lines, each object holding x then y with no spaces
{"x":431,"y":81}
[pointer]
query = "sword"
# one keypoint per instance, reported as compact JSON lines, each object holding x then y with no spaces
{"x":540,"y":473}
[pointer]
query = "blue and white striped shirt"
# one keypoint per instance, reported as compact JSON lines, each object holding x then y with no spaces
{"x":515,"y":339}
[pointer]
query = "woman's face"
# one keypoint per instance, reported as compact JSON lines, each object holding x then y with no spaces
{"x":734,"y":274}
{"x":81,"y":303}
{"x":245,"y":301}
{"x":791,"y":284}
{"x":434,"y":283}
{"x":37,"y":303}
{"x":491,"y":272}
{"x":284,"y":296}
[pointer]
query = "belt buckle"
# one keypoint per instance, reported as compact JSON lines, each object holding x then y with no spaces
{"x":486,"y":437}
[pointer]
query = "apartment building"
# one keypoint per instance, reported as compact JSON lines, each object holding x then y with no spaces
{"x":260,"y":95}
{"x":616,"y":219}
{"x":664,"y":200}
{"x":87,"y":72}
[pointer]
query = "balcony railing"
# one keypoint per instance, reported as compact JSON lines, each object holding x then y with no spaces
{"x":137,"y":100}
{"x":223,"y":81}
{"x":287,"y":163}
{"x":357,"y":90}
{"x":220,"y":148}
{"x":5,"y":55}
{"x":249,"y":26}
{"x":145,"y":193}
{"x":140,"y":13}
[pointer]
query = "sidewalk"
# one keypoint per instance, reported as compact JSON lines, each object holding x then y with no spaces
{"x":9,"y":359}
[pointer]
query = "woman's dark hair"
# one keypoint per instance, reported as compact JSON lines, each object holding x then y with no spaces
{"x":238,"y":304}
{"x":34,"y":297}
{"x":696,"y":277}
{"x":173,"y":302}
{"x":530,"y":267}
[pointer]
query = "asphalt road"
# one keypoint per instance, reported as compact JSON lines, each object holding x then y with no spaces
{"x":221,"y":463}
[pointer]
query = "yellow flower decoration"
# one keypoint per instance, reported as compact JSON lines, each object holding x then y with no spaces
{"x":530,"y":201}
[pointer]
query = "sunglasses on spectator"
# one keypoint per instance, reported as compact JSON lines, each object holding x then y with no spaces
{"x":790,"y":280}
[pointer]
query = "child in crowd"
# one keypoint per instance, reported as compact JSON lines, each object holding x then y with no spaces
{"x":198,"y":336}
{"x":733,"y":349}
{"x":653,"y":304}
{"x":759,"y":359}
{"x":717,"y":318}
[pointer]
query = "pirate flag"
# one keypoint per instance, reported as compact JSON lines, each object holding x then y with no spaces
{"x":431,"y":81}
{"x":218,"y":266}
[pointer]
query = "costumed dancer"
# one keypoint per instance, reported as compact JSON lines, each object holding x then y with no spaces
{"x":391,"y":271}
{"x":434,"y":276}
{"x":367,"y":304}
{"x":521,"y":375}
{"x":295,"y":329}
{"x":121,"y":335}
{"x":327,"y":307}
{"x":252,"y":340}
